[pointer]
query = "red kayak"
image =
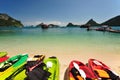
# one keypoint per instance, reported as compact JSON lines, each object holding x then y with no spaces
{"x":79,"y":71}
{"x":2,"y":59}
{"x":101,"y":70}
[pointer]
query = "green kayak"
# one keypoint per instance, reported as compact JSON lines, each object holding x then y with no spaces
{"x":12,"y":65}
{"x":52,"y":64}
{"x":21,"y":75}
{"x":2,"y":54}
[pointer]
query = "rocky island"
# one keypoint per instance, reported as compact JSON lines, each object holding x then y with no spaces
{"x":7,"y":21}
{"x":46,"y":26}
{"x":115,"y":21}
{"x":72,"y":25}
{"x":91,"y":22}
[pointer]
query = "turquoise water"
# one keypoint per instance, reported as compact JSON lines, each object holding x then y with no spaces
{"x":59,"y":39}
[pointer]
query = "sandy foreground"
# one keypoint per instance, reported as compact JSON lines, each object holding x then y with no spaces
{"x":112,"y":60}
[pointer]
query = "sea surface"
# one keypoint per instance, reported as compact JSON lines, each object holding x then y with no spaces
{"x":56,"y":40}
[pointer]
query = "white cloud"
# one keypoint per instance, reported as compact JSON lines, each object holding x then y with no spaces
{"x":31,"y":23}
{"x":53,"y":22}
{"x":46,"y":22}
{"x":49,"y":22}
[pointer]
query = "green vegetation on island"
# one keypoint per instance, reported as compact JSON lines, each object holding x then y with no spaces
{"x":115,"y":21}
{"x":7,"y":21}
{"x":45,"y":26}
{"x":91,"y":22}
{"x":72,"y":25}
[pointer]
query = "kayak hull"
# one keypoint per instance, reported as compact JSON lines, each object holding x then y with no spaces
{"x":2,"y":59}
{"x":2,"y":54}
{"x":21,"y":75}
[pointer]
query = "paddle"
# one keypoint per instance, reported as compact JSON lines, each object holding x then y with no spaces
{"x":80,"y":70}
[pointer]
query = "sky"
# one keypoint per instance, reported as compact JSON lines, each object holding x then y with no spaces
{"x":33,"y":12}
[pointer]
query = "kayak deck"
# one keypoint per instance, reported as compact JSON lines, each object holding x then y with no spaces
{"x":53,"y":69}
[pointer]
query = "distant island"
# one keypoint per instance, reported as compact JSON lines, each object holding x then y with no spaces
{"x":45,"y":26}
{"x":7,"y":21}
{"x":72,"y":25}
{"x":115,"y":21}
{"x":91,"y":22}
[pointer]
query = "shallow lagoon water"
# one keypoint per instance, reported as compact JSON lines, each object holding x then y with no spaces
{"x":70,"y":40}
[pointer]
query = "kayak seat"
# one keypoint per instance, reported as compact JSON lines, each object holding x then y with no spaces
{"x":38,"y":74}
{"x":102,"y":73}
{"x":31,"y":64}
{"x":7,"y":64}
{"x":107,"y":74}
{"x":76,"y":74}
{"x":112,"y":75}
{"x":72,"y":78}
{"x":35,"y":70}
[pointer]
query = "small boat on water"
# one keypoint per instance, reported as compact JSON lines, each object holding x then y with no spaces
{"x":103,"y":28}
{"x":100,"y":29}
{"x":114,"y":31}
{"x":107,"y":28}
